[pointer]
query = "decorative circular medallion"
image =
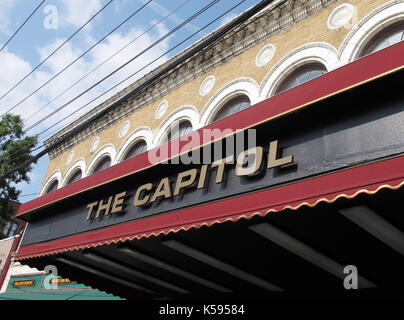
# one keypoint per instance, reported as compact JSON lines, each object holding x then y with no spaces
{"x":265,"y":55}
{"x":340,"y":16}
{"x":161,"y":109}
{"x":207,"y":85}
{"x":70,"y":157}
{"x":94,"y":144}
{"x":124,"y":128}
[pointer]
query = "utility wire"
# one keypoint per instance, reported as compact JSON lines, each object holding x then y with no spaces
{"x":166,"y":75}
{"x":16,"y":153}
{"x":148,"y":48}
{"x":251,"y":12}
{"x":126,"y":63}
{"x":53,"y":52}
{"x":27,"y":195}
{"x":105,"y":61}
{"x":79,"y":57}
{"x":26,"y":20}
{"x":141,"y":69}
{"x":180,"y":43}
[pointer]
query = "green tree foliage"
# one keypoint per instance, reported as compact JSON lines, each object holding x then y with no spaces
{"x":15,"y":148}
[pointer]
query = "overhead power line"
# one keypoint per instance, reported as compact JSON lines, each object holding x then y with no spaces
{"x":52,"y":53}
{"x":210,"y":4}
{"x":141,"y":69}
{"x":211,"y":39}
{"x":27,"y":195}
{"x":145,"y":50}
{"x":199,"y":52}
{"x":108,"y":59}
{"x":82,"y":55}
{"x":22,"y":25}
{"x":176,"y":9}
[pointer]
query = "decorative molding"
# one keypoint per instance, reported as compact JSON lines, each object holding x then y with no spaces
{"x":124,"y":129}
{"x":375,"y":21}
{"x":108,"y":149}
{"x":78,"y":164}
{"x":94,"y":144}
{"x":340,"y":16}
{"x":161,"y":109}
{"x":207,"y":85}
{"x":55,"y":175}
{"x":241,"y":86}
{"x":320,"y":52}
{"x":189,"y":113}
{"x":265,"y":55}
{"x":69,"y":157}
{"x":252,"y":32}
{"x":142,"y":133}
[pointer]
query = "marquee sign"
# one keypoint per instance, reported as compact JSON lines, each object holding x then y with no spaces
{"x":148,"y":193}
{"x":348,"y":129}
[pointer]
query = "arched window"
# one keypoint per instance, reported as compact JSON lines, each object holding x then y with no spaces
{"x":75,"y":177}
{"x":138,"y":148}
{"x":234,"y":105}
{"x":301,"y":75}
{"x":104,"y":163}
{"x":183,"y":128}
{"x":385,"y":38}
{"x":52,"y":187}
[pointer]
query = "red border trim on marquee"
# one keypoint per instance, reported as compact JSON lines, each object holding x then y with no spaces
{"x":343,"y":78}
{"x":348,"y":183}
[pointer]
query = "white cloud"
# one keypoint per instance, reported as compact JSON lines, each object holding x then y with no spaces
{"x":119,"y":4}
{"x":162,"y":11}
{"x":17,"y":67}
{"x":6,"y":7}
{"x":77,"y":12}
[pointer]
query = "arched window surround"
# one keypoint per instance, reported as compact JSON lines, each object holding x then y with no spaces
{"x":106,"y":150}
{"x":142,"y":133}
{"x":306,"y":69}
{"x":79,"y":164}
{"x":184,"y":113}
{"x":313,"y":52}
{"x":368,"y":27}
{"x":55,"y":175}
{"x":102,"y":164}
{"x":231,"y":103}
{"x":382,"y":36}
{"x":241,"y":86}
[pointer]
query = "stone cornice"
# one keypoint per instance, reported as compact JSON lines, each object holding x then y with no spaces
{"x":255,"y":30}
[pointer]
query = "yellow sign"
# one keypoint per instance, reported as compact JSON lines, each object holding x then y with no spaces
{"x":61,"y":281}
{"x":24,"y":283}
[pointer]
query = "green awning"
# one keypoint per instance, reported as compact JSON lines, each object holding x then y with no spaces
{"x":92,"y":294}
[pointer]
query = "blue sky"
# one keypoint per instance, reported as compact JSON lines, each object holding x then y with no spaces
{"x":36,"y":40}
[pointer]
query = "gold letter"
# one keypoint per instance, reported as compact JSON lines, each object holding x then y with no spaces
{"x":105,"y":206}
{"x":90,"y":207}
{"x":118,"y":200}
{"x":220,"y":167}
{"x":182,"y":184}
{"x":163,"y":189}
{"x":240,"y":170}
{"x":141,"y":202}
{"x":272,"y":161}
{"x":202,"y":176}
